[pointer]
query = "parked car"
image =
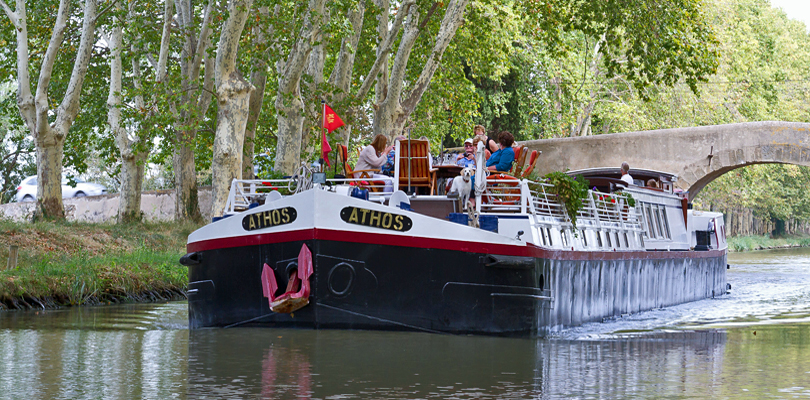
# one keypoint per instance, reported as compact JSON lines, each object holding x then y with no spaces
{"x":27,"y":191}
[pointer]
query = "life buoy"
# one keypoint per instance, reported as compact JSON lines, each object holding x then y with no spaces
{"x":502,"y":189}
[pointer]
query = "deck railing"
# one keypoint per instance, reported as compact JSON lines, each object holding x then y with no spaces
{"x":597,"y":207}
{"x":247,"y":192}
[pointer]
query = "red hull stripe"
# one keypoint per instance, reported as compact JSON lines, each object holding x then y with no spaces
{"x":442,"y":244}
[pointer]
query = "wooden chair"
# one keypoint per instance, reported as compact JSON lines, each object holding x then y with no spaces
{"x":520,"y":159}
{"x":349,"y":171}
{"x":517,"y":164}
{"x":530,"y":167}
{"x":417,"y":154}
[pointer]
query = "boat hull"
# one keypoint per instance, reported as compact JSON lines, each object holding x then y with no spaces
{"x":391,"y":284}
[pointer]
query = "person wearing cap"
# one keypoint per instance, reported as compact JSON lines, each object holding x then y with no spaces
{"x":467,"y":158}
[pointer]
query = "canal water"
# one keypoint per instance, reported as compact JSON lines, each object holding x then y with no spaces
{"x":753,"y":343}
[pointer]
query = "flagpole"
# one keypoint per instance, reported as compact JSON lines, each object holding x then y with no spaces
{"x":323,"y":127}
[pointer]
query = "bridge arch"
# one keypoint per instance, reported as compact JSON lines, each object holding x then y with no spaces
{"x":697,"y":155}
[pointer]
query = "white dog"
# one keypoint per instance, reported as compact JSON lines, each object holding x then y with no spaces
{"x":462,"y":186}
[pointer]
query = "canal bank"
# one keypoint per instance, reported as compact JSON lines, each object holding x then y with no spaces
{"x":765,"y":242}
{"x":67,"y":264}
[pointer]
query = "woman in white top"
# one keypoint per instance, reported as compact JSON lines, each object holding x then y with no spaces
{"x":373,"y":157}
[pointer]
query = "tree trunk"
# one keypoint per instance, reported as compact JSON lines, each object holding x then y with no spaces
{"x":289,"y":104}
{"x":50,"y":152}
{"x":233,"y":95}
{"x":194,"y":104}
{"x":259,"y":79}
{"x":290,"y":118}
{"x":129,"y":207}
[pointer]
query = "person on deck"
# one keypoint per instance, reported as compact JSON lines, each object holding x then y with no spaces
{"x":626,"y":173}
{"x":502,"y":159}
{"x":388,"y":167}
{"x":373,"y":157}
{"x":467,"y":158}
{"x":489,"y":143}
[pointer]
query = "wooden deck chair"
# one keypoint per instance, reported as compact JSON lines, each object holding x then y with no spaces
{"x":417,"y":154}
{"x":519,"y":154}
{"x":349,"y":171}
{"x":530,"y":167}
{"x":520,"y":159}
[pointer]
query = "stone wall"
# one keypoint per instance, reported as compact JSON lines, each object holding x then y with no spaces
{"x":155,"y":205}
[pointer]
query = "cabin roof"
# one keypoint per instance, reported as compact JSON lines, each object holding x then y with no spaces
{"x":616,"y":172}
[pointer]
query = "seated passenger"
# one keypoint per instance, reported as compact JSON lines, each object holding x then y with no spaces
{"x":467,"y":158}
{"x":652,"y":183}
{"x":388,"y":167}
{"x":373,"y":157}
{"x":502,"y":159}
{"x":476,"y":140}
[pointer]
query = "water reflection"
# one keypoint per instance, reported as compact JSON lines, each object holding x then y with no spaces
{"x":286,"y":364}
{"x":754,"y":343}
{"x":99,"y":352}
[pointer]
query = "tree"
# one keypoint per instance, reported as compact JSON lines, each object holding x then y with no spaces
{"x":35,"y":110}
{"x":233,"y":99}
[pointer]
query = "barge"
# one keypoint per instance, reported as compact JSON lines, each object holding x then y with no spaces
{"x":514,"y":264}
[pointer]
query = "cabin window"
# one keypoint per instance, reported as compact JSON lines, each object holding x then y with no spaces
{"x":585,"y":238}
{"x":544,"y":236}
{"x":626,"y":241}
{"x":657,"y":215}
{"x":564,"y":237}
{"x":598,"y":238}
{"x":662,"y":211}
{"x":607,"y":239}
{"x":616,"y":239}
{"x":640,"y":239}
{"x":548,"y":234}
{"x":649,"y":218}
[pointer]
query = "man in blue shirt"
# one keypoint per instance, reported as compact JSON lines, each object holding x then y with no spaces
{"x":467,"y":159}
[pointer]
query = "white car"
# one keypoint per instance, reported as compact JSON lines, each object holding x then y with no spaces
{"x":27,"y":191}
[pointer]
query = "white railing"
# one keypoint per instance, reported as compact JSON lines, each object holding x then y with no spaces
{"x":247,"y":192}
{"x":543,"y":203}
{"x":503,"y":193}
{"x":536,"y":198}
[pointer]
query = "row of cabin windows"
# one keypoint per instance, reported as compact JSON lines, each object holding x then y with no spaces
{"x":611,"y":239}
{"x":657,"y":223}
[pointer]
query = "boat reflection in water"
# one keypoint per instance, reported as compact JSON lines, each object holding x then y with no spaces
{"x":339,"y":364}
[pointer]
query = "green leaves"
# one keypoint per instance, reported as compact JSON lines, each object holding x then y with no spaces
{"x":570,"y":192}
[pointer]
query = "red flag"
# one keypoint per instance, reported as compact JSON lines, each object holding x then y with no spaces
{"x":331,"y":121}
{"x":325,"y":149}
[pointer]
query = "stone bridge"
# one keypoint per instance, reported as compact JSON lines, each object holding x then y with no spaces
{"x":697,"y":155}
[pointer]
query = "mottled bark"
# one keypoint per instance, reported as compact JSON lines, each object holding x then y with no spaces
{"x":233,"y":94}
{"x":194,"y":105}
{"x":132,"y":167}
{"x":259,"y":79}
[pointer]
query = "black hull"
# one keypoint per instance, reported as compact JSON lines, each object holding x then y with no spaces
{"x":391,"y":287}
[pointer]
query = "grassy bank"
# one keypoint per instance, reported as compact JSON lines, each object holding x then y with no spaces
{"x":748,"y":243}
{"x":73,"y":263}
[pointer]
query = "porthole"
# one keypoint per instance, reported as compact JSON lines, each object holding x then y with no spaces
{"x":341,"y":279}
